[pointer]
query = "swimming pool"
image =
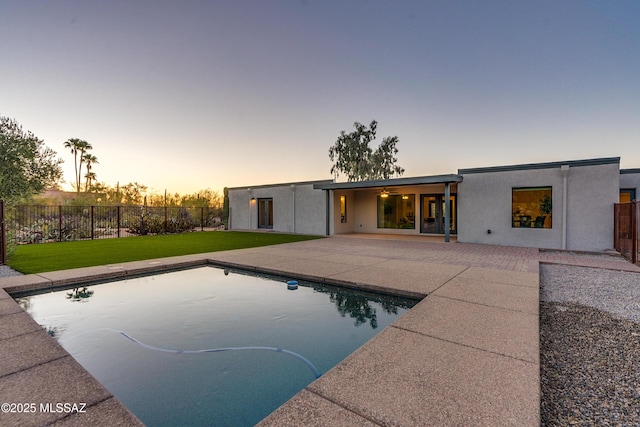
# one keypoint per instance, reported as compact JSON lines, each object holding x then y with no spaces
{"x":209,"y":308}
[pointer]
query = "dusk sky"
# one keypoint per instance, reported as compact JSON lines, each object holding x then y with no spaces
{"x":187,"y":95}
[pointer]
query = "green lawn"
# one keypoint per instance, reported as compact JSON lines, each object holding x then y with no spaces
{"x":39,"y":258}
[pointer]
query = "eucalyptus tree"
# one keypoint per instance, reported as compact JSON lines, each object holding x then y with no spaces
{"x":27,"y":166}
{"x":352,"y":155}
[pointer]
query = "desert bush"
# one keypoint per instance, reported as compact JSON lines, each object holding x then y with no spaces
{"x":151,"y":221}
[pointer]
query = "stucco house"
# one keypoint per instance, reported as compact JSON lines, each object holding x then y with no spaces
{"x":555,"y":205}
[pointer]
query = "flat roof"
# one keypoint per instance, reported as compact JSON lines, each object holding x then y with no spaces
{"x":392,"y":182}
{"x":548,"y":165}
{"x":244,"y":187}
{"x":629,"y":171}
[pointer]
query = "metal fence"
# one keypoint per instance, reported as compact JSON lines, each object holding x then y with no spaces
{"x":3,"y":236}
{"x":627,"y":229}
{"x":41,"y":224}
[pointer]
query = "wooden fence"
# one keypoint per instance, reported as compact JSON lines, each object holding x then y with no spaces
{"x":627,"y":229}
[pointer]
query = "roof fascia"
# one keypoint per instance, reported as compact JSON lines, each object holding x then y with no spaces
{"x":629,"y":171}
{"x":283,"y":184}
{"x":549,"y":165}
{"x":396,"y":182}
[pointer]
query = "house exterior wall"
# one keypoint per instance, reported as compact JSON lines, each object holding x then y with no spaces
{"x":583,"y":193}
{"x":297,"y":207}
{"x":339,"y":227}
{"x":485,"y":203}
{"x":239,"y":210}
{"x":592,"y":193}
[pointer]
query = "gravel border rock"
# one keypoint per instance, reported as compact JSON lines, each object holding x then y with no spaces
{"x":6,"y":271}
{"x":617,"y":292}
{"x":589,"y":346}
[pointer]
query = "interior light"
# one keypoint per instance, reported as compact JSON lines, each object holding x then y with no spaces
{"x":405,"y":197}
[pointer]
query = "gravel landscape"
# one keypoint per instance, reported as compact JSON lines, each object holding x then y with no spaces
{"x":6,"y":271}
{"x":589,"y":346}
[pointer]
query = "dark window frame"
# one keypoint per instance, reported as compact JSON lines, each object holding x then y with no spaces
{"x":388,"y":208}
{"x":532,"y":214}
{"x":343,"y":212}
{"x":265,"y":202}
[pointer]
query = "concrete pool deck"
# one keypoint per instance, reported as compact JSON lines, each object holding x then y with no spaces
{"x":467,"y":354}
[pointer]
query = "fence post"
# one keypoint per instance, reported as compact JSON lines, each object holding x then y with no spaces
{"x":60,"y":223}
{"x":142,"y":233}
{"x":165,"y":218}
{"x":118,"y":219}
{"x":92,"y":223}
{"x":3,"y":236}
{"x":201,"y":218}
{"x":634,"y":232}
{"x":616,"y":227}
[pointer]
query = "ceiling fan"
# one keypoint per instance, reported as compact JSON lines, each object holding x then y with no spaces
{"x":385,"y":193}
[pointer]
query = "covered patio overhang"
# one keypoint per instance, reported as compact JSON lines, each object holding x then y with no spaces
{"x":395,"y":185}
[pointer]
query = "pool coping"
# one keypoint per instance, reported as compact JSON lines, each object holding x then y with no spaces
{"x":480,"y":396}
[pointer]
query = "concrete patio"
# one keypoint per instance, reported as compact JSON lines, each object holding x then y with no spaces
{"x":467,"y":354}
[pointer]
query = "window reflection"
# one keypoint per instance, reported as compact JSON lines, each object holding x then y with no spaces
{"x":396,"y":211}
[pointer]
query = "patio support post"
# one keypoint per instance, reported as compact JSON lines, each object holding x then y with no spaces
{"x":328,"y":210}
{"x":447,"y":209}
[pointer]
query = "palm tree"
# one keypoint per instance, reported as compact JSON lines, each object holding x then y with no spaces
{"x":83,"y":147}
{"x":77,"y":146}
{"x":72,"y":144}
{"x":89,"y":160}
{"x":90,"y":177}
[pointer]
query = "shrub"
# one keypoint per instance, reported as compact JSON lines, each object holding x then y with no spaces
{"x":152,"y":222}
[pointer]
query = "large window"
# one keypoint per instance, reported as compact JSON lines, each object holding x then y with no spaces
{"x":396,"y":211}
{"x":531,"y":207}
{"x":343,"y":209}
